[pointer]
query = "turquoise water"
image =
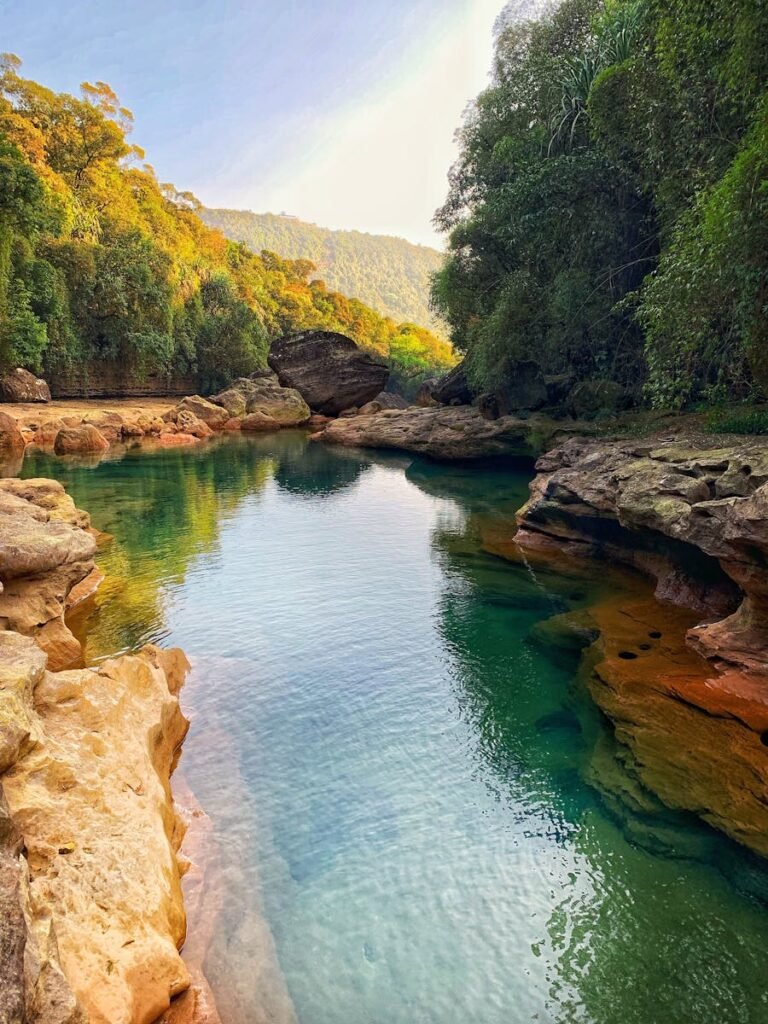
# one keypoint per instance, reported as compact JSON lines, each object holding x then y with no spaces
{"x":406,"y":787}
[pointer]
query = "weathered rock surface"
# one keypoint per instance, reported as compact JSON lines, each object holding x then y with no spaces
{"x":86,"y":783}
{"x":12,"y":441}
{"x":453,"y":388}
{"x":263,"y":398}
{"x":46,"y":550}
{"x":692,"y":515}
{"x":210,"y":413}
{"x":22,"y":386}
{"x":425,"y":396}
{"x":459,"y":432}
{"x":85,"y":439}
{"x":329,"y":370}
{"x":386,"y":400}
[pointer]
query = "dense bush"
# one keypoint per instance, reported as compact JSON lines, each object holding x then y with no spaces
{"x":608,"y":214}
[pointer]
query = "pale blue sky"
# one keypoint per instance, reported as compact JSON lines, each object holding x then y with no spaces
{"x":339,"y":112}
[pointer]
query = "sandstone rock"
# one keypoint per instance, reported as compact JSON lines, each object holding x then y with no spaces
{"x":11,"y":439}
{"x":204,"y":410}
{"x":12,"y":924}
{"x":176,"y":440}
{"x":329,"y":370}
{"x":46,"y":550}
{"x":89,"y":797}
{"x":263,"y":395}
{"x":83,"y":440}
{"x":183,"y":421}
{"x":22,"y":386}
{"x":443,"y":433}
{"x":109,"y":424}
{"x":258,"y":421}
{"x":453,"y":388}
{"x":386,"y":400}
{"x":697,"y":728}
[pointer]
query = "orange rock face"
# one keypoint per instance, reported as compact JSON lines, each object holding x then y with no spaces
{"x":682,"y":674}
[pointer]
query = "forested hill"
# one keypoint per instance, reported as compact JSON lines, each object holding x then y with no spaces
{"x":109,"y":274}
{"x":389,"y":274}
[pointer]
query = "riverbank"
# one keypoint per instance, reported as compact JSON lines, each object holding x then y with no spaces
{"x":655,"y":505}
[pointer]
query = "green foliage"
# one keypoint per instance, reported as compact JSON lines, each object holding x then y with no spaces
{"x":608,"y":213}
{"x":103,"y":269}
{"x":388,"y":274}
{"x":746,"y":421}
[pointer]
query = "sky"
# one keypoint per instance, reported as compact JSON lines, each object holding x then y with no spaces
{"x":341,"y":113}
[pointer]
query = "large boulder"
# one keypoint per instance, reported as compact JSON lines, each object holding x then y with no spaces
{"x":329,"y":370}
{"x":443,"y":433}
{"x":206,"y":411}
{"x":453,"y":388}
{"x":22,"y":386}
{"x":85,"y":439}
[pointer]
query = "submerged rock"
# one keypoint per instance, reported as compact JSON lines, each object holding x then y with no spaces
{"x":22,"y":386}
{"x":329,"y":370}
{"x":693,"y":515}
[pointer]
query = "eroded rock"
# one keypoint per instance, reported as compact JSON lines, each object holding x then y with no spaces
{"x":22,"y":386}
{"x":329,"y":370}
{"x":460,"y":432}
{"x":88,"y":797}
{"x":85,"y":439}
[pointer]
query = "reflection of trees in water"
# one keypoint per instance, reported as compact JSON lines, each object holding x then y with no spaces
{"x":164,"y":509}
{"x":660,"y":922}
{"x":312,"y":469}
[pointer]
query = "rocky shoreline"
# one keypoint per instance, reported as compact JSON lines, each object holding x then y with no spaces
{"x":683,"y":677}
{"x":90,"y":873}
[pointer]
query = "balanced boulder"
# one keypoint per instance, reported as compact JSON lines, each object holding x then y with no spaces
{"x":22,"y":386}
{"x":329,"y":370}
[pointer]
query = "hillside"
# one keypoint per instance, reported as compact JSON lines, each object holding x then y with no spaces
{"x":110,"y":282}
{"x":389,"y":274}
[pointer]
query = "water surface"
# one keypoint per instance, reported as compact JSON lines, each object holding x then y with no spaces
{"x":405,"y":786}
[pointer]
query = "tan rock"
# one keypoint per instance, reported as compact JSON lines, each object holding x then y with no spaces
{"x":89,"y":796}
{"x":204,"y":410}
{"x":11,"y":439}
{"x":46,"y":550}
{"x":258,"y":421}
{"x":82,"y":439}
{"x":109,"y":424}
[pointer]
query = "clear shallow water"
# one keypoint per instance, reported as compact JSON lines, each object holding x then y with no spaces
{"x":404,"y":786}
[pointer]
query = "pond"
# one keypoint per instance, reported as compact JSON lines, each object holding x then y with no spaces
{"x":404,"y":782}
